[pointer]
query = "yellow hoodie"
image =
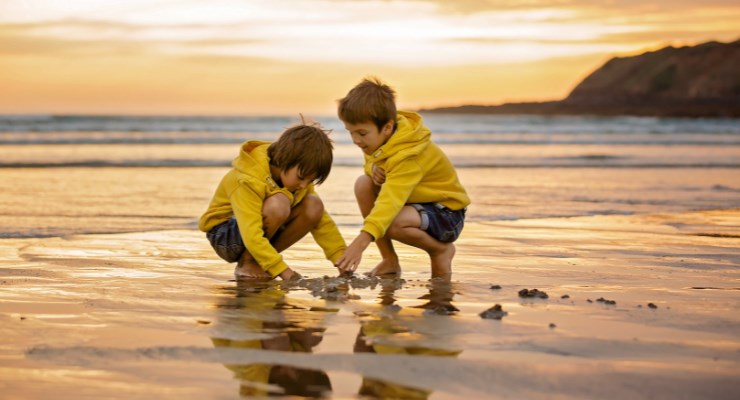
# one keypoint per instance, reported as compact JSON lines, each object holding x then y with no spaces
{"x":416,"y":171}
{"x":241,"y":194}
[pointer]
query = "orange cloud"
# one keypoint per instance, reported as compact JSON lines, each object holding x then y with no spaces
{"x":151,"y":58}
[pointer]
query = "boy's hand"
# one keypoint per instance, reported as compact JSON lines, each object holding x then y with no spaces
{"x":352,"y":256}
{"x":378,"y":176}
{"x":289,"y":275}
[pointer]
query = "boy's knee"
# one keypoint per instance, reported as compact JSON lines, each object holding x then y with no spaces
{"x":313,"y":208}
{"x":393,"y":230}
{"x":276,"y":208}
{"x":407,"y":218}
{"x":364,"y":186}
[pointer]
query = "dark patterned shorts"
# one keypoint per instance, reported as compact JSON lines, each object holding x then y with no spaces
{"x":227,"y":241}
{"x":440,"y":222}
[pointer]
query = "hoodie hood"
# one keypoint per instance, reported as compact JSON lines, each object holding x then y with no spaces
{"x":410,"y":139}
{"x":253,"y":161}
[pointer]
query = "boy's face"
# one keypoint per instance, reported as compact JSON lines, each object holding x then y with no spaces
{"x":367,"y":137}
{"x":293,"y":180}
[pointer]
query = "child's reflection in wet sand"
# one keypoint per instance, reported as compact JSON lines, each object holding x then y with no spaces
{"x":260,"y":309}
{"x":260,"y":316}
{"x":376,"y":330}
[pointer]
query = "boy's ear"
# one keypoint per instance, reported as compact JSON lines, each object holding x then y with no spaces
{"x":388,"y":127}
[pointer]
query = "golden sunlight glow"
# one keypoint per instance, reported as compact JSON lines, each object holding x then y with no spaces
{"x":253,"y":57}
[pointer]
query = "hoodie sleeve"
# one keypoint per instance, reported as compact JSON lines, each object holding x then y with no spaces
{"x":328,"y":237}
{"x":247,"y":206}
{"x":399,"y":183}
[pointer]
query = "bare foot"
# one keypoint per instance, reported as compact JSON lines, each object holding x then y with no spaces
{"x":386,"y":269}
{"x":442,"y":262}
{"x":250,"y":270}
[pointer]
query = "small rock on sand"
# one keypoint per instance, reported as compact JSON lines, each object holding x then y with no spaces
{"x":607,"y":302}
{"x":440,"y":310}
{"x":495,"y":287}
{"x":533,"y":293}
{"x":494,"y":312}
{"x":653,"y":306}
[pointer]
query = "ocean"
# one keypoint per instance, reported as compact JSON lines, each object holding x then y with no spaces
{"x":64,"y":175}
{"x":634,"y":141}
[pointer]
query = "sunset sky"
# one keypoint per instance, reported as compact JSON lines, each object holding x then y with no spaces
{"x":288,"y":56}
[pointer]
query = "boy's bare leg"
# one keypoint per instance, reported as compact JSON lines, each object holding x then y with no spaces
{"x":366,"y":193}
{"x":275,"y":211}
{"x":405,"y":229}
{"x":301,"y":220}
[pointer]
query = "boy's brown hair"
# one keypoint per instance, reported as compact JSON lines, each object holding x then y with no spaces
{"x":370,"y":101}
{"x":306,"y":146}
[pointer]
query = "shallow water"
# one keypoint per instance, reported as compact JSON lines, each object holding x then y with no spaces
{"x":141,"y":314}
{"x":63,"y":201}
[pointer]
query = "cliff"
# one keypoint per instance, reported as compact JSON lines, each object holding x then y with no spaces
{"x":698,"y":81}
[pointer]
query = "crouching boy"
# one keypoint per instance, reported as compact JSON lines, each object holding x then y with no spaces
{"x":267,"y":202}
{"x":409,"y":192}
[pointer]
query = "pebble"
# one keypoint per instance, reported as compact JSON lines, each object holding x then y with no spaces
{"x":495,"y":312}
{"x":441,"y":310}
{"x":533,"y":293}
{"x":607,"y":302}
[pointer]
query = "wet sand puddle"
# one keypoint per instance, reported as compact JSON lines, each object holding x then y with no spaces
{"x":280,"y":317}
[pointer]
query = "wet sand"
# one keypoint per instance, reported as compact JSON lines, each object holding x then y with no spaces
{"x":155,"y":315}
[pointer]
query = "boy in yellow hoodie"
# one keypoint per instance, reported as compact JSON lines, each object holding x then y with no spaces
{"x":267,"y":202}
{"x":409,"y":192}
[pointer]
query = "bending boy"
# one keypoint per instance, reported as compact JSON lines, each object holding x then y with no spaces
{"x":267,"y":202}
{"x":409,"y":192}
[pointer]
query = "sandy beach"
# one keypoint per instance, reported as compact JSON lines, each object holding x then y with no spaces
{"x":152,"y":313}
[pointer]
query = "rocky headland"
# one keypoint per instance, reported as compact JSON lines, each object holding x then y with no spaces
{"x":690,"y":81}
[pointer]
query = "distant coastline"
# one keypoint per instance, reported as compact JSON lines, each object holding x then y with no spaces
{"x":563,"y":107}
{"x":698,"y":81}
